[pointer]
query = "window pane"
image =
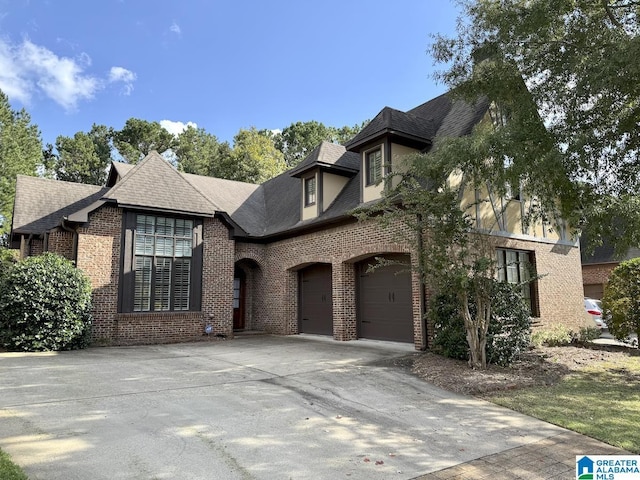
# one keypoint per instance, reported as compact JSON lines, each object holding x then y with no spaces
{"x":181,"y":284}
{"x":142,"y":285}
{"x":145,"y":224}
{"x":162,"y":284}
{"x":184,"y":228}
{"x":512,"y":267}
{"x":374,"y":166}
{"x":502,"y":272}
{"x":164,"y":226}
{"x":144,"y":244}
{"x":184,"y":247}
{"x":164,"y":246}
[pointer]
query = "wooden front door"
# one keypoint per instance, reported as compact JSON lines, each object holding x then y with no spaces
{"x":239,"y":287}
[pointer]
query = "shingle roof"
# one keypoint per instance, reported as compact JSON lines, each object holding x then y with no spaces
{"x":390,"y":120}
{"x":329,"y":155}
{"x":260,"y":210}
{"x":452,"y":117}
{"x":41,"y":203}
{"x":604,"y":253}
{"x":153,"y":183}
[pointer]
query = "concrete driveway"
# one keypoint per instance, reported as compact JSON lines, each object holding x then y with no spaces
{"x":260,"y":407}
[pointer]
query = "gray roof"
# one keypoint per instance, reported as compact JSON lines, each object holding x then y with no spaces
{"x":452,"y":117}
{"x":41,"y":203}
{"x":604,"y":253}
{"x":330,"y":156}
{"x":259,"y":210}
{"x":153,"y":183}
{"x":390,"y":120}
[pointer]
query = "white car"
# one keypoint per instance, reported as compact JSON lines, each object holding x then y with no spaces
{"x":594,"y":310}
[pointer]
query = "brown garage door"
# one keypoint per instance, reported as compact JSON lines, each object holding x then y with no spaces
{"x":385,"y":309}
{"x":316,"y":304}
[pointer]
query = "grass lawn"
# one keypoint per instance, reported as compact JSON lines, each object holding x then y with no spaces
{"x":601,"y":401}
{"x":9,"y":470}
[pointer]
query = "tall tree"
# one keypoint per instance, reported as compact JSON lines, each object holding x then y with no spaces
{"x":20,"y":153}
{"x":578,"y":61}
{"x":201,"y":153}
{"x":85,"y":157}
{"x":139,"y":137}
{"x":298,"y":139}
{"x":254,"y":159}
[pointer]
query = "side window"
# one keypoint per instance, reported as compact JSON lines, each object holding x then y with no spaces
{"x":518,"y":267}
{"x":309,"y":191}
{"x":373,"y":166}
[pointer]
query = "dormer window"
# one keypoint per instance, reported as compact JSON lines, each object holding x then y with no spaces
{"x":309,"y":191}
{"x":373,"y":166}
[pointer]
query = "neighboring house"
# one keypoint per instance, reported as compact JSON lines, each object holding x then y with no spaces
{"x":598,"y":265}
{"x":169,"y":254}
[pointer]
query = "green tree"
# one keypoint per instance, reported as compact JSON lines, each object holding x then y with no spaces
{"x":298,"y":139}
{"x":622,"y":299}
{"x":200,"y":153}
{"x":20,"y":153}
{"x":85,"y":157}
{"x":139,"y":137}
{"x":578,"y":62}
{"x":254,"y":158}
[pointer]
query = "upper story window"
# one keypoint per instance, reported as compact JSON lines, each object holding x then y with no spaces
{"x":309,"y":191}
{"x":517,"y":267}
{"x":373,"y":166}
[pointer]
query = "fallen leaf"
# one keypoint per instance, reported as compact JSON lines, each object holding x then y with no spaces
{"x":366,"y":460}
{"x":379,"y":462}
{"x":392,"y":454}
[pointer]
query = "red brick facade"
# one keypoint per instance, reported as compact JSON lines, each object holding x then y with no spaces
{"x":271,"y":271}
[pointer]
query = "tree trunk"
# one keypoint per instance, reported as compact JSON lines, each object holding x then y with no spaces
{"x":477,"y":328}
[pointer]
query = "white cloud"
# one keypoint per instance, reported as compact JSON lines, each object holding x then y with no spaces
{"x":60,"y":78}
{"x":119,"y":74}
{"x":27,"y":70}
{"x":176,"y":128}
{"x":175,"y":28}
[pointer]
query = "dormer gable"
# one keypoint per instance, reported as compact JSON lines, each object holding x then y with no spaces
{"x":324,"y":173}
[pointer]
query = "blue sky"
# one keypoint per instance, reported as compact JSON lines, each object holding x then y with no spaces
{"x":220,"y":64}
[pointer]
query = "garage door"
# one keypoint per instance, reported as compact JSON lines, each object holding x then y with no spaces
{"x":316,"y":305}
{"x":594,"y":291}
{"x":385,"y":310}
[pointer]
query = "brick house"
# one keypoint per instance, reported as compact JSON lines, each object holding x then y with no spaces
{"x":598,"y":265}
{"x":173,"y":255}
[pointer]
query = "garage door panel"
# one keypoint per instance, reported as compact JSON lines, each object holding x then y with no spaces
{"x":316,"y":303}
{"x":385,"y":307}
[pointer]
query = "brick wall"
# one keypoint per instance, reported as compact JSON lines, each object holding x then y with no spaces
{"x":217,"y":277}
{"x":99,"y":258}
{"x":61,"y":242}
{"x":559,"y":291}
{"x":161,"y":327}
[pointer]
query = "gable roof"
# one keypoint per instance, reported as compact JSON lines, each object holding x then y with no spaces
{"x":155,"y":184}
{"x":330,"y":156}
{"x":452,"y":117}
{"x":389,"y":120}
{"x":41,"y":203}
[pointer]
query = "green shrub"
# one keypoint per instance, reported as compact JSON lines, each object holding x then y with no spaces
{"x":45,"y":304}
{"x":587,"y":334}
{"x":509,"y":328}
{"x":621,"y":299}
{"x":555,"y":336}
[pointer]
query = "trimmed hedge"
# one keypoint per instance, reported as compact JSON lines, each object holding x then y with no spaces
{"x":45,"y":304}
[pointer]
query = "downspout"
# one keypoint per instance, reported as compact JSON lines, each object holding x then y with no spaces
{"x":423,"y":290}
{"x":74,"y":239}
